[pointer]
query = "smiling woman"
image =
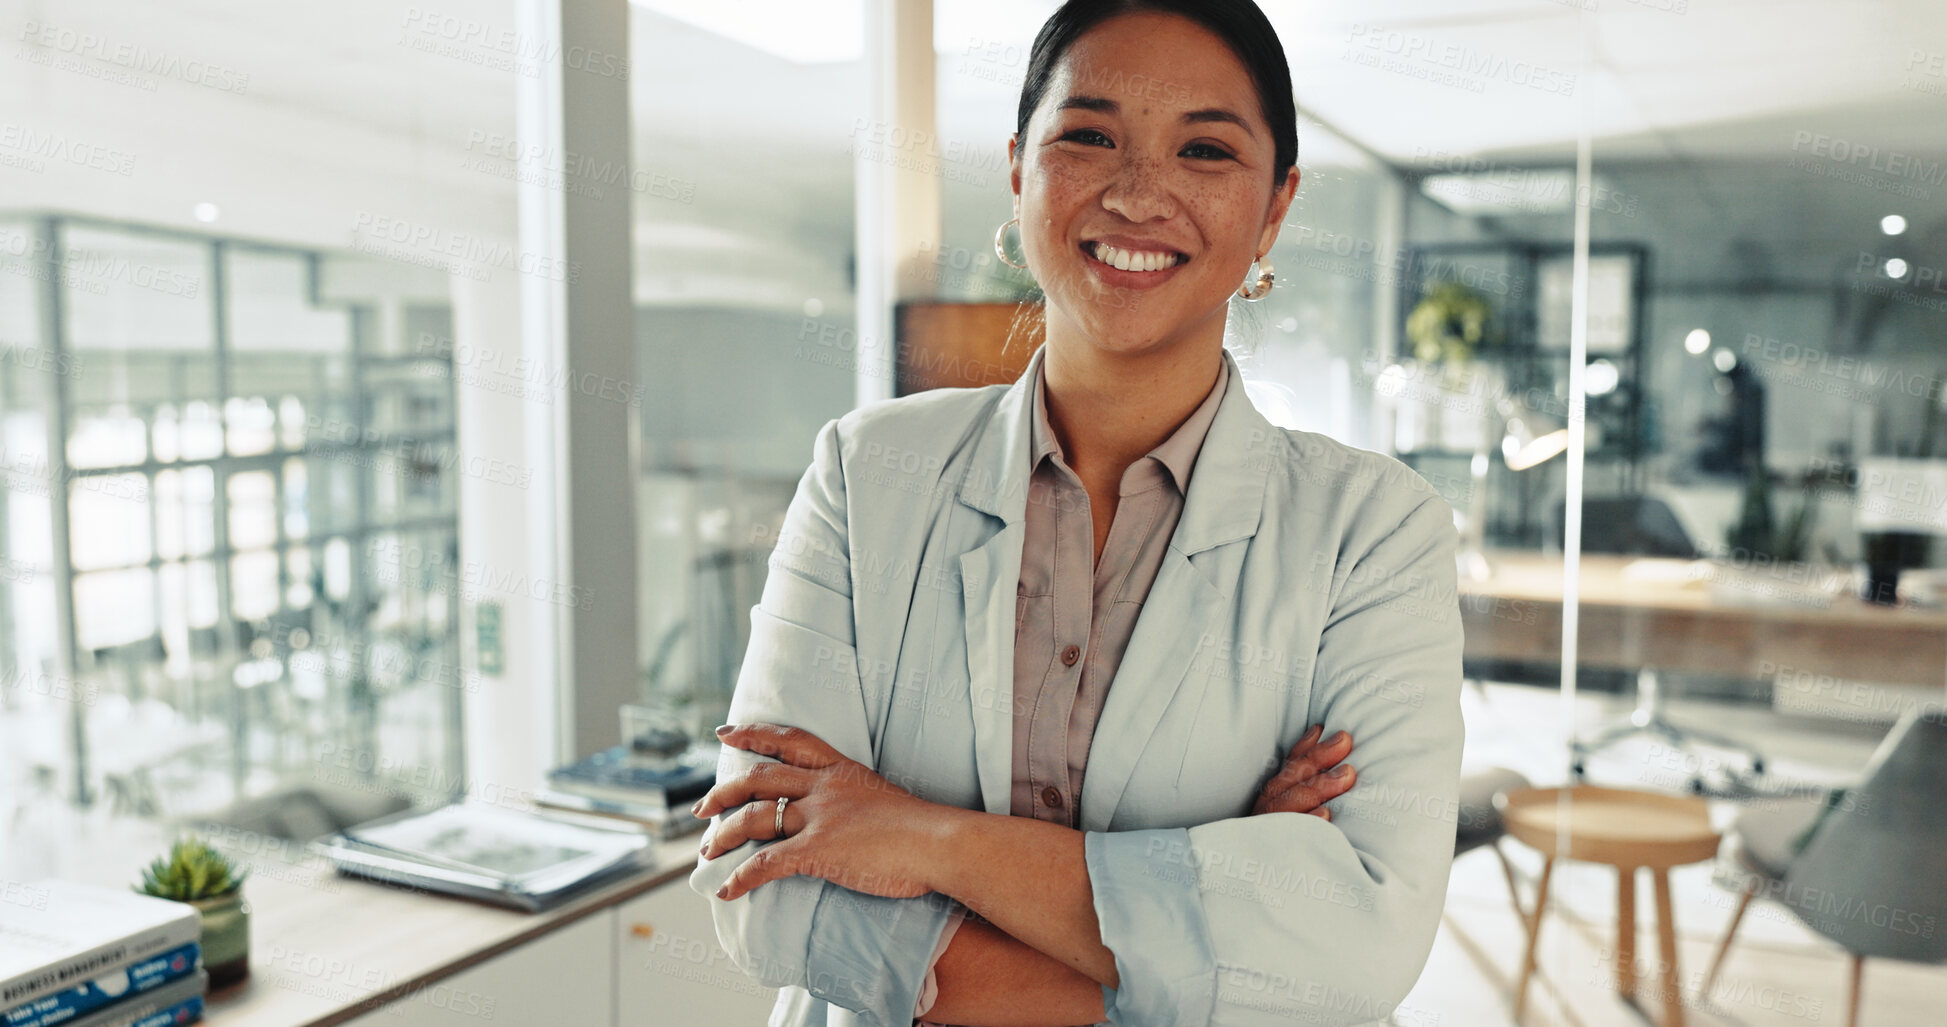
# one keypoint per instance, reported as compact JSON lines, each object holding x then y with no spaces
{"x":1116,"y":811}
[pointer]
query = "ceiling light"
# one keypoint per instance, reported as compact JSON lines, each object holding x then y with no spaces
{"x":1892,"y":224}
{"x":1601,"y":378}
{"x":1723,"y":360}
{"x":1503,"y":191}
{"x":1896,"y":268}
{"x":1696,"y":342}
{"x":205,"y":212}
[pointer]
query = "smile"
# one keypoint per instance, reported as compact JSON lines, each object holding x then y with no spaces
{"x":1131,"y":260}
{"x":1117,"y":268}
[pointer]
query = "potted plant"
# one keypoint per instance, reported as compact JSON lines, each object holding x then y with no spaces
{"x":1449,"y":325}
{"x":1450,"y":396}
{"x":197,"y":874}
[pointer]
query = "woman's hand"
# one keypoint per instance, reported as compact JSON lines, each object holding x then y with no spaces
{"x":1307,"y":781}
{"x":844,"y":823}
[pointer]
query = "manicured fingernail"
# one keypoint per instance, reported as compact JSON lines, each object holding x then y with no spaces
{"x":1340,"y":772}
{"x":694,"y":806}
{"x":723,"y":730}
{"x":723,"y":892}
{"x":1337,"y":738}
{"x":1312,"y":732}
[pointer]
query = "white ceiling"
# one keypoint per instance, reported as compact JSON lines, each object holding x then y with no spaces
{"x":1727,"y":83}
{"x":1654,"y":84}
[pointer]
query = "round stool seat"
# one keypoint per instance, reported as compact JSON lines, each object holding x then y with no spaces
{"x":1611,"y":825}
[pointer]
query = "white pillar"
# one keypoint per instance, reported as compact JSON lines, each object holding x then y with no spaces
{"x":898,"y":209}
{"x":578,"y":320}
{"x":511,"y":721}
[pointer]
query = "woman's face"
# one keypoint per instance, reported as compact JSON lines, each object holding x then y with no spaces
{"x":1149,"y":149}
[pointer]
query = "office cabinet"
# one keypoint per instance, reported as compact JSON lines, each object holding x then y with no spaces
{"x":652,"y":961}
{"x":670,"y":970}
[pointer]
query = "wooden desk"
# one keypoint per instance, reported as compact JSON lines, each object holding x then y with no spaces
{"x":1700,"y":617}
{"x":327,"y":949}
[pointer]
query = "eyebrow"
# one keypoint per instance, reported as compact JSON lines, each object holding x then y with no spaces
{"x":1108,"y":106}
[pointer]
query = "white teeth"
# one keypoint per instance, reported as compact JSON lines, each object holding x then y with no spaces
{"x":1129,"y":260}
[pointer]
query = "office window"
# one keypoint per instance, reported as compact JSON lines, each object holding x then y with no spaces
{"x":195,"y":393}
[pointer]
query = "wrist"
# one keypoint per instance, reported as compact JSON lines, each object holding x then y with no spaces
{"x":944,"y":833}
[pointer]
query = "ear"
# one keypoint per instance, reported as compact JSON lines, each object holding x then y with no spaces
{"x":1014,"y":166}
{"x":1281,"y":200}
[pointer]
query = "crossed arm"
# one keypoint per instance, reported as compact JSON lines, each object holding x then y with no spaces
{"x":997,"y":976}
{"x":1032,"y":950}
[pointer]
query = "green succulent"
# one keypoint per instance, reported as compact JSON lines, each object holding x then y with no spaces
{"x":192,"y":870}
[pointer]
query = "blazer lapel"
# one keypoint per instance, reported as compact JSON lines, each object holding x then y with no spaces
{"x":1185,"y":606}
{"x":987,"y":577}
{"x":996,"y":484}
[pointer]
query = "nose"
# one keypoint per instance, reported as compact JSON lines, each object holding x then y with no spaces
{"x":1139,"y":189}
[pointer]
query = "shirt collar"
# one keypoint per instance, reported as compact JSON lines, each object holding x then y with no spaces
{"x":1178,"y":453}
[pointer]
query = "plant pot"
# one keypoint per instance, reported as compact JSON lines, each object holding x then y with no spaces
{"x":1887,"y":554}
{"x":226,"y":937}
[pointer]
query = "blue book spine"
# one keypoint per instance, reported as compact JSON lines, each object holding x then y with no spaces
{"x":86,"y":997}
{"x":189,"y":1010}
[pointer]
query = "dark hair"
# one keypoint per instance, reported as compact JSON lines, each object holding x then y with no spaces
{"x":1239,"y":23}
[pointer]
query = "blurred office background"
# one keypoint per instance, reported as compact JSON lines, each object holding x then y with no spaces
{"x":284,"y":435}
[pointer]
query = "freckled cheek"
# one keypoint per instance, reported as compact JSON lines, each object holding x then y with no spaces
{"x":1064,"y":187}
{"x":1229,"y":224}
{"x":1049,"y":213}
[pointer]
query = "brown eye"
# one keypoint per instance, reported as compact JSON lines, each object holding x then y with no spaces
{"x":1215,"y":153}
{"x":1078,"y":133}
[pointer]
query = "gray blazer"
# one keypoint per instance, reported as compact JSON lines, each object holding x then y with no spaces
{"x":1306,"y":582}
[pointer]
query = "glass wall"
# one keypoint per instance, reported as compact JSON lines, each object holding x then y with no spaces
{"x":1704,"y":570}
{"x":238,"y":282}
{"x":248,"y":454}
{"x":1789,"y":433}
{"x":745,"y":291}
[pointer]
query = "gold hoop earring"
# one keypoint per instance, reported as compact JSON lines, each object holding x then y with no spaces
{"x":1000,"y":244}
{"x":1261,"y":288}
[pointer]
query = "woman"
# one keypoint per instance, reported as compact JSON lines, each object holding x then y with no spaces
{"x":921,"y":813}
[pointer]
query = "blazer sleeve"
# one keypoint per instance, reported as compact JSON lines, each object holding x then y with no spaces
{"x":1285,"y":917}
{"x":866,"y":953}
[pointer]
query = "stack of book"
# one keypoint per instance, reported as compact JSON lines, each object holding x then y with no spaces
{"x":614,"y":784}
{"x":85,"y":956}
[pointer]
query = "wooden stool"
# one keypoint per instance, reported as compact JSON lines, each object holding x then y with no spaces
{"x":1626,"y":830}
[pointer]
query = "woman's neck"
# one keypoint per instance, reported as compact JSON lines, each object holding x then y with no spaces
{"x":1108,"y":409}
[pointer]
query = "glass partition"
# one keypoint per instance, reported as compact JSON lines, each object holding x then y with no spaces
{"x":1757,"y":616}
{"x":745,"y":261}
{"x":231,"y":532}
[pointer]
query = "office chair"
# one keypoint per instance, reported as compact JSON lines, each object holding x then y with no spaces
{"x":1863,"y":868}
{"x":1641,"y":526}
{"x":1478,"y":822}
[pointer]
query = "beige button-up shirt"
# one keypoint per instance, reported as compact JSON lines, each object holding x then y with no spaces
{"x":1074,"y":616}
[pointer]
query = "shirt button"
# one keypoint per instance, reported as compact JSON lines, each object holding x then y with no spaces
{"x":1071,"y":654}
{"x":1051,"y":797}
